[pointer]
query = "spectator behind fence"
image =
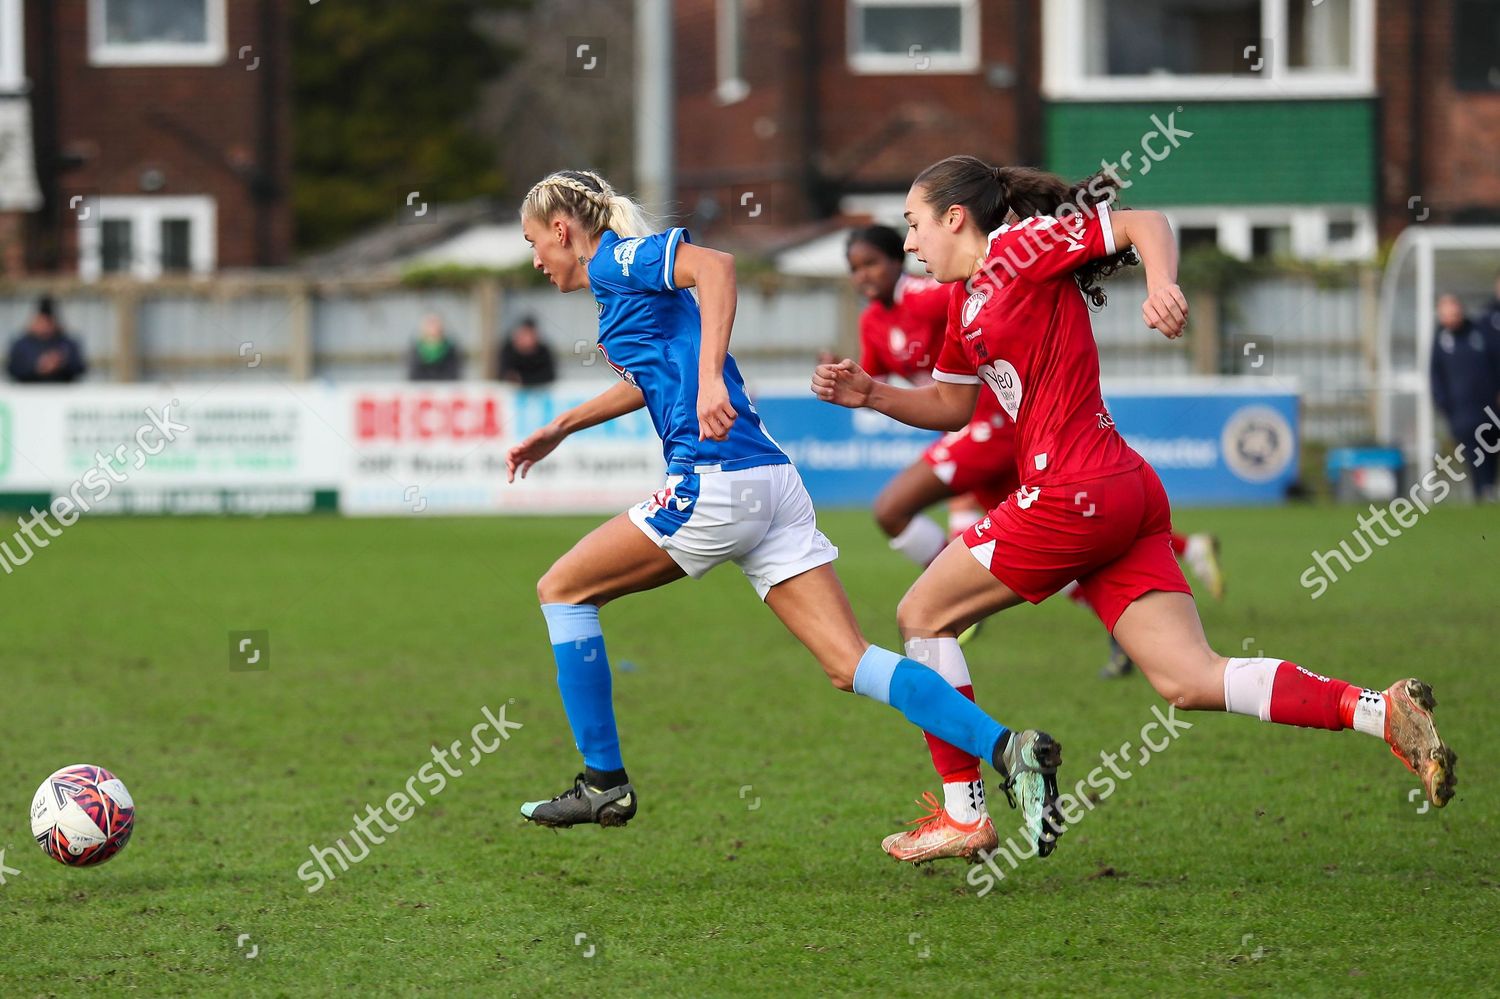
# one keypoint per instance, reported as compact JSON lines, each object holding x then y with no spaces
{"x":1465,"y":380}
{"x":525,"y":358}
{"x":45,"y":353}
{"x":434,"y":357}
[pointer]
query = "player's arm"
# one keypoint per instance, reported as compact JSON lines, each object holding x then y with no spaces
{"x":712,"y":273}
{"x":939,"y":406}
{"x":615,"y":401}
{"x":1149,"y":232}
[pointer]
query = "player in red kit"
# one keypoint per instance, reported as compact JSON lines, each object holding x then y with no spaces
{"x":1028,"y":251}
{"x":900,"y":333}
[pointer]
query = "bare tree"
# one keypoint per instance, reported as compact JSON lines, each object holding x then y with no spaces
{"x":554,"y":108}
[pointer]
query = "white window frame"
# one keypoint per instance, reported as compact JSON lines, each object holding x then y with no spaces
{"x":213,"y":52}
{"x":965,"y":60}
{"x":1065,"y":61}
{"x":145,"y":215}
{"x":12,"y":47}
{"x":1308,"y":223}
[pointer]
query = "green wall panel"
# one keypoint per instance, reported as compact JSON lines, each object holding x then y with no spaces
{"x":1240,"y":152}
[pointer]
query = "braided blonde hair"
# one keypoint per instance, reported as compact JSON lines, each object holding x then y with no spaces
{"x":587,"y":197}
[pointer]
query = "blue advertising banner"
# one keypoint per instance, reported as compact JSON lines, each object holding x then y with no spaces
{"x":845,"y":455}
{"x":1213,"y":448}
{"x":1214,"y":441}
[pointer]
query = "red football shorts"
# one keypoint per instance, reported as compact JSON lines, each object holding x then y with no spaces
{"x":979,"y":459}
{"x":1113,"y":534}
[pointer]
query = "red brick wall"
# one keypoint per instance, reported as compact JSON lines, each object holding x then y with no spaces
{"x":1457,"y":168}
{"x":201,"y":126}
{"x":870,"y":132}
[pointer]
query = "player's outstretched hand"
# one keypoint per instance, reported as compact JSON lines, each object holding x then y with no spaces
{"x":843,"y":384}
{"x":1165,"y":310}
{"x":532,"y":450}
{"x":715,"y":414}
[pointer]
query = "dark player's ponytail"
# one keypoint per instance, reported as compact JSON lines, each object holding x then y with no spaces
{"x":993,"y":195}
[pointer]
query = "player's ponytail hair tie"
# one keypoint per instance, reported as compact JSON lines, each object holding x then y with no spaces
{"x":1002,"y":187}
{"x":587,"y":197}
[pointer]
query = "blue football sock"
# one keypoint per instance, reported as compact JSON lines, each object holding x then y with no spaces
{"x":927,"y":700}
{"x":583,"y":680}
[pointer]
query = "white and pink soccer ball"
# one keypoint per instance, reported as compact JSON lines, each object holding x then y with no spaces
{"x":82,"y":815}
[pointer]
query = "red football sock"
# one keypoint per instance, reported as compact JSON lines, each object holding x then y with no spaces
{"x":953,"y":764}
{"x":1302,"y":697}
{"x":1179,"y":544}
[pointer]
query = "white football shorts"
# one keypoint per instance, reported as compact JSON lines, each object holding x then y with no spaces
{"x":761,"y":519}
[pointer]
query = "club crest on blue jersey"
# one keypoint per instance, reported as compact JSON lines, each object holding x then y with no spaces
{"x":625,"y":251}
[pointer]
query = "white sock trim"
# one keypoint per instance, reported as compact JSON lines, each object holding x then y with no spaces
{"x":963,"y":800}
{"x":1247,"y":686}
{"x":921,"y":541}
{"x":942,"y":655}
{"x":1369,"y":713}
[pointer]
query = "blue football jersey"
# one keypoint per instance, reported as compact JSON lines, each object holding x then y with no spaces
{"x":650,"y":332}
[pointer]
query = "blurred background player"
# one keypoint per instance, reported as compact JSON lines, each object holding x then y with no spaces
{"x":900,"y":330}
{"x":1466,"y":380}
{"x":731,"y":495}
{"x":45,"y":352}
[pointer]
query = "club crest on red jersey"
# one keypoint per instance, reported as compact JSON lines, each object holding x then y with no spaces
{"x":973,"y":304}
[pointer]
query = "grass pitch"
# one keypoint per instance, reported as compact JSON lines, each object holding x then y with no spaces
{"x":1245,"y":859}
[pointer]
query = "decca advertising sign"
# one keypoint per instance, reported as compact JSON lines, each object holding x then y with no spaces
{"x":443,"y":450}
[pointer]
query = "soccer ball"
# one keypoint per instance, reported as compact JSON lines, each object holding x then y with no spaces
{"x":82,"y":815}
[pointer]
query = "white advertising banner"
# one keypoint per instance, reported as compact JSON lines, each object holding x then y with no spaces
{"x":442,"y":449}
{"x":373,"y":449}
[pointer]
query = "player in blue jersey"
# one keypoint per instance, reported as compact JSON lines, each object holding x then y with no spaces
{"x":731,"y":495}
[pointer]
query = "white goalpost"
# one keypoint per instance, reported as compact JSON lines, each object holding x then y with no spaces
{"x":1425,"y":262}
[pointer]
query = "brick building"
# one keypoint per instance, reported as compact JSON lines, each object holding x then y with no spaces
{"x":1262,"y":126}
{"x":160,"y":132}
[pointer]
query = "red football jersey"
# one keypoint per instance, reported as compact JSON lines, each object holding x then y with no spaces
{"x":1021,"y":327}
{"x":904,"y":338}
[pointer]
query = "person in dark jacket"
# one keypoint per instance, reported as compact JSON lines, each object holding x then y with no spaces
{"x":1489,"y":319}
{"x":434,"y":357}
{"x":45,"y":353}
{"x":525,"y":359}
{"x":1466,"y":380}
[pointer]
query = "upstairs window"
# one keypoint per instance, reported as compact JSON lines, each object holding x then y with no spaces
{"x":913,"y":36}
{"x":156,"y":32}
{"x":1476,"y":45}
{"x":12,"y":47}
{"x":1208,"y":49}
